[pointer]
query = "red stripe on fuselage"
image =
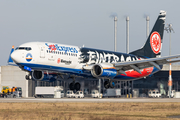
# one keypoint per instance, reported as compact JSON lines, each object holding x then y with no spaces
{"x":145,"y":72}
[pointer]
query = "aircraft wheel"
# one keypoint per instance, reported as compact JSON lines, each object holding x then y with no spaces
{"x":30,"y":77}
{"x":27,"y":77}
{"x":112,"y":84}
{"x":106,"y":84}
{"x":71,"y":86}
{"x":77,"y":86}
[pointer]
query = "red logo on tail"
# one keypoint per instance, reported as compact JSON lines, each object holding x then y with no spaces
{"x":155,"y":41}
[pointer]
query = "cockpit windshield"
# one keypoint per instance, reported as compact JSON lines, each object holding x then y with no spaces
{"x":23,"y":48}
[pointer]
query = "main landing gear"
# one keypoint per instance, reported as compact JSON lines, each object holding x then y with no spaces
{"x":74,"y":86}
{"x":109,"y":84}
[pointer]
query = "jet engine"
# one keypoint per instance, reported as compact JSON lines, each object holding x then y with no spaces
{"x":43,"y":76}
{"x":37,"y":75}
{"x":104,"y":71}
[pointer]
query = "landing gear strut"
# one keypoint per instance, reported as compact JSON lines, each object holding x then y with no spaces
{"x":109,"y":84}
{"x":74,"y":86}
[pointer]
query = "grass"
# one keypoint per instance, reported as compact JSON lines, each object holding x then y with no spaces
{"x":88,"y":111}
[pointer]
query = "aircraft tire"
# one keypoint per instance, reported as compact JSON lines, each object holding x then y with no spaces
{"x":112,"y":84}
{"x":77,"y":86}
{"x":106,"y":84}
{"x":27,"y":77}
{"x":71,"y":86}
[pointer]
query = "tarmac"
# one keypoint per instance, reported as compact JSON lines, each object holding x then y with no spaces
{"x":100,"y":100}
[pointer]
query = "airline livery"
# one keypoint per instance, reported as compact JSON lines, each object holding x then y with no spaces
{"x":40,"y":59}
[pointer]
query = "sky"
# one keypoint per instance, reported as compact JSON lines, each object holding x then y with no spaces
{"x":84,"y":22}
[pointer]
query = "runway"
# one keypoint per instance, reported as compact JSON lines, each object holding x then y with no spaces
{"x":119,"y":100}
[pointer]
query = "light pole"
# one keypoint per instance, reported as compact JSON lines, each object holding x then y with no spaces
{"x":169,"y":29}
{"x":114,"y":15}
{"x":147,"y":26}
{"x":115,"y":33}
{"x":127,"y":34}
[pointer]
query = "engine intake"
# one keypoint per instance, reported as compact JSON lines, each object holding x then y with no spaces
{"x":103,"y":71}
{"x":37,"y":75}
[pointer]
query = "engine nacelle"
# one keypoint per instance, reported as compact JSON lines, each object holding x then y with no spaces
{"x":37,"y":75}
{"x":103,"y":71}
{"x":43,"y":76}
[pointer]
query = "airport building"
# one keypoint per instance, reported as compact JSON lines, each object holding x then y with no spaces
{"x":14,"y":76}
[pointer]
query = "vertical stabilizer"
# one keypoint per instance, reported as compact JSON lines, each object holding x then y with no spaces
{"x":153,"y":45}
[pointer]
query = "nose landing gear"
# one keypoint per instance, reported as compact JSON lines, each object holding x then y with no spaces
{"x":28,"y":77}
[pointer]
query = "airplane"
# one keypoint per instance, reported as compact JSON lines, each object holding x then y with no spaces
{"x":43,"y":60}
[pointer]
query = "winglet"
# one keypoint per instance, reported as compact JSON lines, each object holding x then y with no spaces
{"x":10,"y":60}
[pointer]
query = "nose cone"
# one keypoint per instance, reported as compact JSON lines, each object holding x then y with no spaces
{"x":14,"y":56}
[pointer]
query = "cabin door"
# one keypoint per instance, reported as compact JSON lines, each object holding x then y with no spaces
{"x":42,"y":51}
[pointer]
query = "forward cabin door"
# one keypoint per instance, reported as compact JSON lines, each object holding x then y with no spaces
{"x":42,"y":51}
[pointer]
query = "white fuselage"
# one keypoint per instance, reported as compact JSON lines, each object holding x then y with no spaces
{"x":60,"y":58}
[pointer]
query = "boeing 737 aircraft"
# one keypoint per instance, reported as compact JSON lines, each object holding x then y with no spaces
{"x":40,"y":59}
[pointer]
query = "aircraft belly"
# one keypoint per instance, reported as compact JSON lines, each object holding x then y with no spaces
{"x":51,"y":68}
{"x":130,"y":75}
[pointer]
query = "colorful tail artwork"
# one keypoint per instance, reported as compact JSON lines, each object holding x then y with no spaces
{"x":153,"y":45}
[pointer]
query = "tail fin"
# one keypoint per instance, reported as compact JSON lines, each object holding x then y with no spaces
{"x":10,"y":60}
{"x":152,"y":47}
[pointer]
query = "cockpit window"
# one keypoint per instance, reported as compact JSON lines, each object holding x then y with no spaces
{"x":23,"y":48}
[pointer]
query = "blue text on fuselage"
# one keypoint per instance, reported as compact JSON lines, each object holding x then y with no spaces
{"x":62,"y":48}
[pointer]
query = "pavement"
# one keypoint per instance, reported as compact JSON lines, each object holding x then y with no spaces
{"x":100,"y":100}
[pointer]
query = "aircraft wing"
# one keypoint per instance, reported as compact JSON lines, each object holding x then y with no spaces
{"x":145,"y":63}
